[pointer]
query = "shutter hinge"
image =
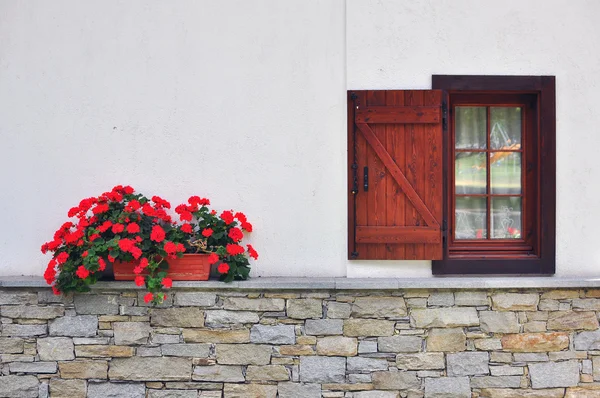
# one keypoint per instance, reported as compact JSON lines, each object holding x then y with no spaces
{"x":445,"y":116}
{"x":444,"y":233}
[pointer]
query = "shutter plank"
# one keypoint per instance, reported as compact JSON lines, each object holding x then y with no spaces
{"x":399,"y":114}
{"x":397,"y":235}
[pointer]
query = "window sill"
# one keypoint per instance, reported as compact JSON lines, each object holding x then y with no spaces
{"x":312,"y":284}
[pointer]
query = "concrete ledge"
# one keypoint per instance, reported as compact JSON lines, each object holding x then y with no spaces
{"x":341,"y":283}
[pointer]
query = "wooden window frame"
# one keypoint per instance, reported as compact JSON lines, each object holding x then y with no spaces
{"x":541,"y":259}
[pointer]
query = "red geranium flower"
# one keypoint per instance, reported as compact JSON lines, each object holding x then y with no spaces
{"x":207,"y":232}
{"x":111,"y":258}
{"x":144,"y":262}
{"x":247,"y":226}
{"x":227,"y":216}
{"x":213,"y":258}
{"x":240,"y":216}
{"x":118,"y":228}
{"x":133,"y":228}
{"x":62,"y":258}
{"x":101,"y":264}
{"x":100,"y":208}
{"x":148,"y":210}
{"x":252,"y":252}
{"x":167,"y":282}
{"x":236,"y":234}
{"x":93,"y":237}
{"x":158,"y":234}
{"x":84,"y":254}
{"x":187,"y":228}
{"x":139,"y":280}
{"x":148,"y":298}
{"x":136,"y":252}
{"x":137,"y":270}
{"x":105,"y":226}
{"x":82,"y":272}
{"x":234,"y":249}
{"x":223,"y":268}
{"x":126,"y":244}
{"x":128,"y":190}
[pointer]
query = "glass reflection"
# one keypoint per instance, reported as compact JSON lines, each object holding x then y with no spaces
{"x":506,"y":218}
{"x":505,"y":128}
{"x":470,"y":173}
{"x":505,"y":172}
{"x":471,"y":218}
{"x":471,"y":126}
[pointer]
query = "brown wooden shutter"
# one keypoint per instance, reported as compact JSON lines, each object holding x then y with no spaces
{"x":395,"y":138}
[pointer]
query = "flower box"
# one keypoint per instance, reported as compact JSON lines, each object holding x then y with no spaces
{"x":190,"y":267}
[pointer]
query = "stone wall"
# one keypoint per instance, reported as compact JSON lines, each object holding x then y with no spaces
{"x":327,"y":343}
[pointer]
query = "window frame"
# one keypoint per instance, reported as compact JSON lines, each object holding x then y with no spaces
{"x":543,"y":88}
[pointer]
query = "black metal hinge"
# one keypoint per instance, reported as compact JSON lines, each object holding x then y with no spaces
{"x":444,"y":233}
{"x":445,"y":116}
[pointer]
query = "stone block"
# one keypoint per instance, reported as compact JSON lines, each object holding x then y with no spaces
{"x":447,"y":387}
{"x":319,"y":369}
{"x":131,"y":333}
{"x":364,"y":364}
{"x":11,"y":345}
{"x":96,"y":304}
{"x":297,"y":390}
{"x":368,"y":327}
{"x":17,"y":298}
{"x":32,"y":312}
{"x":161,"y":338}
{"x":216,"y":336}
{"x":324,"y":327}
{"x":74,"y":326}
{"x":150,"y":369}
{"x":379,"y":307}
{"x":421,"y":361}
{"x":367,"y":347}
{"x":395,"y":380}
{"x":174,"y":394}
{"x":68,"y":388}
{"x":267,"y":373}
{"x":55,"y":349}
{"x":554,"y":374}
{"x":441,"y":299}
{"x":218,"y":373}
{"x":531,"y":357}
{"x":496,"y":382}
{"x":582,"y":392}
{"x":444,"y":317}
{"x":590,"y":304}
{"x":522,"y":393}
{"x":195,"y":299}
{"x":15,"y":330}
{"x":178,"y":317}
{"x":230,"y":317}
{"x":488,"y":344}
{"x":83,"y":369}
{"x":376,"y":394}
{"x":278,"y":334}
{"x":584,"y":341}
{"x":504,"y":370}
{"x":549,"y":305}
{"x":471,"y":299}
{"x":243,"y":354}
{"x":337,"y":310}
{"x":535,"y":326}
{"x":249,"y":391}
{"x":560,"y":294}
{"x":19,"y":386}
{"x":108,"y":351}
{"x":304,"y":308}
{"x":337,"y":346}
{"x":91,"y":340}
{"x":498,"y":322}
{"x":33,"y":367}
{"x":448,"y":340}
{"x":144,"y":351}
{"x":535,"y":342}
{"x":116,"y":390}
{"x":257,"y":304}
{"x":296,"y":350}
{"x":515,"y":301}
{"x":186,"y":350}
{"x":596,"y":367}
{"x":572,"y":320}
{"x":468,"y":364}
{"x":399,"y":344}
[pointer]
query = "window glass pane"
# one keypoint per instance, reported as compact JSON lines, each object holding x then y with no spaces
{"x":471,"y":218}
{"x":505,"y":169}
{"x":505,"y":128}
{"x":470,"y":127}
{"x":506,"y":218}
{"x":470,"y":173}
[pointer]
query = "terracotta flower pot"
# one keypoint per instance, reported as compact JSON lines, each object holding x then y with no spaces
{"x":190,"y":267}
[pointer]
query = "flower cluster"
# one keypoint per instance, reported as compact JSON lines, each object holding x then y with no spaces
{"x":124,"y":226}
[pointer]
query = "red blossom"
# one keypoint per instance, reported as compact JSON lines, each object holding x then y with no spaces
{"x":55,"y":291}
{"x":50,"y":273}
{"x":161,"y":202}
{"x":167,"y":282}
{"x":133,"y":228}
{"x":227,"y":216}
{"x":82,"y":272}
{"x":234,"y":249}
{"x":252,"y":252}
{"x":144,"y":262}
{"x":84,"y":254}
{"x":100,"y":208}
{"x":213,"y":258}
{"x":187,"y":228}
{"x":236,"y":234}
{"x":73,"y":211}
{"x":128,"y":190}
{"x":62,"y":257}
{"x":137,"y":270}
{"x":247,"y":226}
{"x":207,"y":232}
{"x":139,"y":280}
{"x":101,"y":264}
{"x":157,"y":234}
{"x":136,"y":252}
{"x":93,"y":237}
{"x":240,"y":216}
{"x":132,"y":206}
{"x":148,"y":297}
{"x":126,"y":244}
{"x":223,"y":268}
{"x":118,"y":228}
{"x":105,"y":226}
{"x":111,"y":258}
{"x":44,"y":248}
{"x":138,"y":239}
{"x":148,"y":210}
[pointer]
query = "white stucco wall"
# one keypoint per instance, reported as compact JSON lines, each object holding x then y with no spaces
{"x":244,"y":102}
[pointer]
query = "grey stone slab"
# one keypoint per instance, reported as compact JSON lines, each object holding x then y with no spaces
{"x":230,"y":317}
{"x":587,"y":341}
{"x":131,"y":333}
{"x":447,"y":387}
{"x":74,"y":326}
{"x":496,"y":382}
{"x":150,"y":369}
{"x":31,"y":311}
{"x":363,"y":364}
{"x":399,"y":343}
{"x":367,"y":347}
{"x":33,"y":367}
{"x":531,"y":357}
{"x":468,"y":363}
{"x":96,"y":304}
{"x":218,"y":373}
{"x":323,"y":327}
{"x":116,"y":390}
{"x":15,"y":330}
{"x":297,"y":390}
{"x":554,"y":374}
{"x":186,"y":350}
{"x":318,"y":369}
{"x":441,"y":299}
{"x":172,"y":394}
{"x":11,"y":345}
{"x":198,"y":299}
{"x":278,"y":334}
{"x":19,"y":387}
{"x":55,"y":349}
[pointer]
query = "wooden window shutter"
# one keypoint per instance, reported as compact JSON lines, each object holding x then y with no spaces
{"x":395,"y":182}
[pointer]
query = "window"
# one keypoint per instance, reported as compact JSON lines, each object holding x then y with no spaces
{"x":463,"y":174}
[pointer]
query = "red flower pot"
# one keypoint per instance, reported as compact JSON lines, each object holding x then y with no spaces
{"x":190,"y":267}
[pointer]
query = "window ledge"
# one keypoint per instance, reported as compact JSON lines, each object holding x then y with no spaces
{"x":311,"y":284}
